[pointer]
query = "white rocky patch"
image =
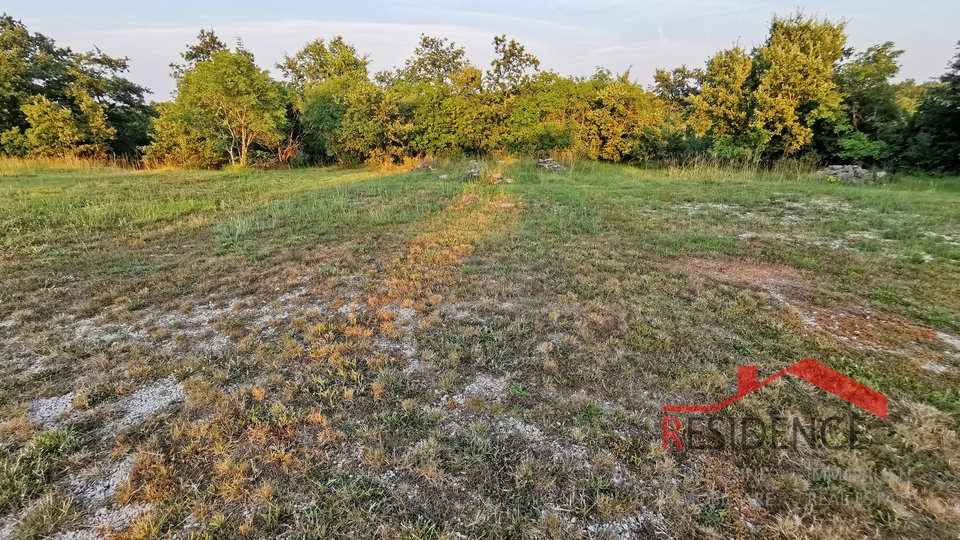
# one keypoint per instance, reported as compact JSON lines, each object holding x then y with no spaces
{"x":45,"y":412}
{"x":98,"y":484}
{"x":197,"y":324}
{"x":949,"y":340}
{"x":146,"y":401}
{"x":109,"y":519}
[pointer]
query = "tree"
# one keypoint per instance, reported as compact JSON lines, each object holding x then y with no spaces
{"x":932,"y":140}
{"x":320,"y":61}
{"x":623,"y":123}
{"x":511,"y":66}
{"x":30,"y":65}
{"x":207,"y":44}
{"x":107,"y":109}
{"x":97,"y":75}
{"x":469,"y":109}
{"x":910,"y":95}
{"x":52,"y":130}
{"x":59,"y":130}
{"x":676,"y":86}
{"x":230,"y":99}
{"x":871,"y":117}
{"x":434,"y":61}
{"x":176,"y":142}
{"x":724,"y":107}
{"x":796,"y":85}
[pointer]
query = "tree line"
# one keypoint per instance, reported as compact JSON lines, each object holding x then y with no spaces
{"x":803,"y":92}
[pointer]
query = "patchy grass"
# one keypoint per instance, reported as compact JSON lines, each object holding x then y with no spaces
{"x":330,"y":352}
{"x":23,"y":474}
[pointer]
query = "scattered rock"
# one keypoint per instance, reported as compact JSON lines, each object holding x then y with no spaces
{"x":474,"y":173}
{"x":949,"y":340}
{"x":100,"y":483}
{"x":147,"y":400}
{"x":444,"y":176}
{"x":550,"y":164}
{"x":851,"y":173}
{"x":939,"y":369}
{"x":490,"y":389}
{"x":45,"y":412}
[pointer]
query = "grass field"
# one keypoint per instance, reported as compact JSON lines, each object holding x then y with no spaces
{"x":344,"y":353}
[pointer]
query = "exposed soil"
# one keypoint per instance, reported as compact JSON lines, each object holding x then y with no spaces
{"x":865,"y":327}
{"x":858,"y":326}
{"x":768,"y":276}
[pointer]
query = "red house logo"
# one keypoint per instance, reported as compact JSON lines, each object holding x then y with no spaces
{"x":809,"y":370}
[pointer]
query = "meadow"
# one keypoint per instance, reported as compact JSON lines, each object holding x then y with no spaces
{"x":340,"y":352}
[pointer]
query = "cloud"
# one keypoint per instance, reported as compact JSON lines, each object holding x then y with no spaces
{"x":569,"y":36}
{"x":151,"y":49}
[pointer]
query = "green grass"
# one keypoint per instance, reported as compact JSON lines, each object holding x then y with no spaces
{"x":23,"y":474}
{"x":423,"y":357}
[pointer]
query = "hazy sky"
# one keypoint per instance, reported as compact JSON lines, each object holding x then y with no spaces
{"x":569,"y":36}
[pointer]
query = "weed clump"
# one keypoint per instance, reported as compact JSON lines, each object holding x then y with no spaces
{"x":24,"y":474}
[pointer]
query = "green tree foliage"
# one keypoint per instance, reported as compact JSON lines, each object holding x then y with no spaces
{"x":800,"y":91}
{"x":871,"y":117}
{"x":723,"y":109}
{"x":932,"y":139}
{"x":52,"y":130}
{"x":678,"y":85}
{"x":623,"y":122}
{"x":321,"y":61}
{"x":511,"y":66}
{"x":435,"y":61}
{"x":201,"y":51}
{"x":176,"y":142}
{"x":319,"y":75}
{"x":41,"y":84}
{"x":796,"y":86}
{"x":232,"y":101}
{"x":767,"y":103}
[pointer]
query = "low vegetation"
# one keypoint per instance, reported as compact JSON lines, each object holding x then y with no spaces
{"x":340,"y":352}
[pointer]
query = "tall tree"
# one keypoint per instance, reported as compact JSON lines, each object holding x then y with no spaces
{"x":624,"y":122}
{"x":677,"y":85}
{"x":320,"y":61}
{"x":724,"y":107}
{"x":107,"y":110}
{"x":233,"y":100}
{"x":322,"y":74}
{"x":511,"y":66}
{"x":201,"y":51}
{"x":870,"y":119}
{"x":435,"y":61}
{"x":932,"y":139}
{"x":796,"y":85}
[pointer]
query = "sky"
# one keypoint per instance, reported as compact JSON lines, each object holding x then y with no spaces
{"x":572,"y":37}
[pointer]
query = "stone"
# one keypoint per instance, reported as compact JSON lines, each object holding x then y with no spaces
{"x":851,"y":173}
{"x":550,"y":164}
